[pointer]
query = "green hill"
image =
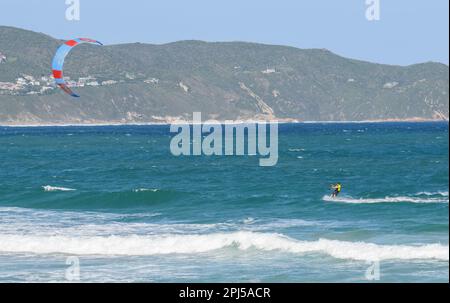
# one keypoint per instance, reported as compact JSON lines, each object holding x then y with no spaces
{"x":138,"y":83}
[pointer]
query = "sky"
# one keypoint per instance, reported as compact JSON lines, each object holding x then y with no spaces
{"x":407,"y":32}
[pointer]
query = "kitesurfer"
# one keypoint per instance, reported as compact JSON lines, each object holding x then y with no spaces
{"x":336,"y":189}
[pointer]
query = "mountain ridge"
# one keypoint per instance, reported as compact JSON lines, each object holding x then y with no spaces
{"x":148,"y":83}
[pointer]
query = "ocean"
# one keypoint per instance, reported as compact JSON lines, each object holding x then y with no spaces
{"x":112,"y":204}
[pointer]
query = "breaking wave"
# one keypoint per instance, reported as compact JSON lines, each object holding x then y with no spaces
{"x":137,"y":190}
{"x":384,"y":200}
{"x":436,"y":193}
{"x":54,"y":188}
{"x":140,"y":245}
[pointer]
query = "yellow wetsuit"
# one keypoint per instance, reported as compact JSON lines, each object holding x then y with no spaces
{"x":337,"y":190}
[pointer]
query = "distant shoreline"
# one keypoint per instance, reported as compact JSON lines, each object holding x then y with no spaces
{"x":281,"y":121}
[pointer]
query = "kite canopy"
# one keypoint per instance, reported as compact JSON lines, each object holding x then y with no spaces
{"x":58,"y":61}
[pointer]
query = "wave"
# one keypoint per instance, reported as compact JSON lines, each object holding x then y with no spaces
{"x":91,"y":223}
{"x":137,"y":190}
{"x":54,"y":188}
{"x":248,"y":220}
{"x":27,"y":213}
{"x":93,"y":200}
{"x":285,"y":223}
{"x":384,"y":200}
{"x":436,"y":193}
{"x":191,"y":244}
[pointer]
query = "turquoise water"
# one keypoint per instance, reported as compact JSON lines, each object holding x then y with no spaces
{"x":116,"y":199}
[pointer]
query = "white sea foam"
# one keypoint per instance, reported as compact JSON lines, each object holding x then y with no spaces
{"x":286,"y":223}
{"x":34,"y":222}
{"x":54,"y":188}
{"x":248,"y":220}
{"x":435,"y":193}
{"x":400,"y":199}
{"x":191,"y":244}
{"x":137,"y":190}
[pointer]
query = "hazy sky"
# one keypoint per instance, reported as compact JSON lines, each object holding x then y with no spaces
{"x":409,"y":31}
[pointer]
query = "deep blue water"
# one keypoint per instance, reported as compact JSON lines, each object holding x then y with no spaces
{"x":117,"y":199}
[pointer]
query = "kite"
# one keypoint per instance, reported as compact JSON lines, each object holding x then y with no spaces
{"x":58,"y":61}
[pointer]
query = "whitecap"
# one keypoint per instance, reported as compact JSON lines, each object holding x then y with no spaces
{"x":399,"y":199}
{"x":137,"y":190}
{"x":138,"y":245}
{"x":435,"y":193}
{"x":55,"y":188}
